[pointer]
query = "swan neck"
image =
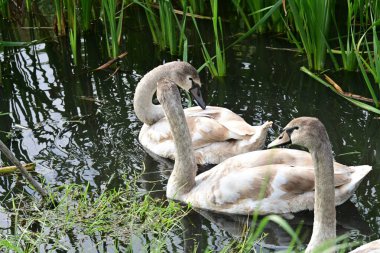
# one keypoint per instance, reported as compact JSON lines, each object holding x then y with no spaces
{"x":182,"y":178}
{"x":324,"y":227}
{"x":145,"y":110}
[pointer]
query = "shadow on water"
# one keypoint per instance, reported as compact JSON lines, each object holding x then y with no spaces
{"x":79,"y":125}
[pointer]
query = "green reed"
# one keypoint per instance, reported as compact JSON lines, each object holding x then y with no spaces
{"x":256,"y":13}
{"x":59,"y":15}
{"x":168,"y":25}
{"x":312,"y":22}
{"x":347,"y":50}
{"x":113,"y":21}
{"x":154,"y":25}
{"x":219,"y":47}
{"x":167,"y":31}
{"x":85,"y":13}
{"x":4,"y":8}
{"x":28,"y":5}
{"x":197,"y":6}
{"x":367,"y":54}
{"x":220,"y":68}
{"x":72,"y":21}
{"x":255,"y":8}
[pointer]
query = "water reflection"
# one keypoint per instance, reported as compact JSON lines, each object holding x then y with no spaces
{"x":80,"y":126}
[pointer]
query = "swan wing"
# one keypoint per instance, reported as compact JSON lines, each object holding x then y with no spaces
{"x":286,"y":156}
{"x":203,"y":130}
{"x":224,"y":117}
{"x":276,"y":188}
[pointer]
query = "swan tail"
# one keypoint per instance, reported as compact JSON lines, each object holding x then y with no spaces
{"x":345,"y":191}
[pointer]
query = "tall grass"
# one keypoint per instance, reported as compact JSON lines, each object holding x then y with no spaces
{"x":85,"y":10}
{"x":59,"y":16}
{"x":4,"y":8}
{"x":312,"y":22}
{"x":347,"y":50}
{"x":256,"y":8}
{"x":220,"y":68}
{"x":72,"y":20}
{"x":113,"y":20}
{"x":369,"y":59}
{"x":167,"y":31}
{"x":219,"y":46}
{"x":28,"y":5}
{"x":197,"y":6}
{"x":256,"y":11}
{"x":168,"y":25}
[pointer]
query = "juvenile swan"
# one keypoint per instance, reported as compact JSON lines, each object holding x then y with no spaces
{"x":234,"y":186}
{"x":311,"y":133}
{"x":217,"y":133}
{"x":371,"y":247}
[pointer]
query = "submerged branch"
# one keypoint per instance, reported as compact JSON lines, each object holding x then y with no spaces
{"x":23,"y":171}
{"x":10,"y":169}
{"x":347,"y":94}
{"x":112,"y":61}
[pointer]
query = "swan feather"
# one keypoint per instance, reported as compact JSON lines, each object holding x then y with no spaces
{"x":244,"y":184}
{"x":217,"y":134}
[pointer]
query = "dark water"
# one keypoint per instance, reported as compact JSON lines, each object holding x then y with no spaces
{"x":79,"y":125}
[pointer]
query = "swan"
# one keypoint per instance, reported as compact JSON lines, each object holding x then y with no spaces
{"x":217,"y":133}
{"x":371,"y":247}
{"x":236,"y":187}
{"x":311,"y":133}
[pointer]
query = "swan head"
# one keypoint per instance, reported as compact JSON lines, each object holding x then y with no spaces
{"x":186,"y":77}
{"x":308,"y":132}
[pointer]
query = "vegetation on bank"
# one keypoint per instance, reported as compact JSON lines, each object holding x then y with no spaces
{"x":113,"y":218}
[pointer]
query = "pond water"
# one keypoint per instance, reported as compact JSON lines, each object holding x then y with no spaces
{"x":79,"y":126}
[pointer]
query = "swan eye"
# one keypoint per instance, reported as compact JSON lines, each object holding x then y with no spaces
{"x":290,"y":130}
{"x":191,"y":79}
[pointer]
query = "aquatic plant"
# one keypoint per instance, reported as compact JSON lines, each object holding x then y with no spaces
{"x":60,"y":18}
{"x":219,"y":49}
{"x":256,"y":11}
{"x":167,"y":22}
{"x":72,"y":20}
{"x":4,"y":8}
{"x":113,"y":25}
{"x":165,"y":26}
{"x":347,"y":50}
{"x":196,"y":5}
{"x":312,"y":22}
{"x":220,"y":68}
{"x":28,"y":5}
{"x":371,"y":49}
{"x":85,"y":10}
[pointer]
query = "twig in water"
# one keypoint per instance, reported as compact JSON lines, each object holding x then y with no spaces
{"x":112,"y":61}
{"x":23,"y":171}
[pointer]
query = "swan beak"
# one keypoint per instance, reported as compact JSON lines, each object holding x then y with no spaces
{"x":197,"y":95}
{"x":281,"y":140}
